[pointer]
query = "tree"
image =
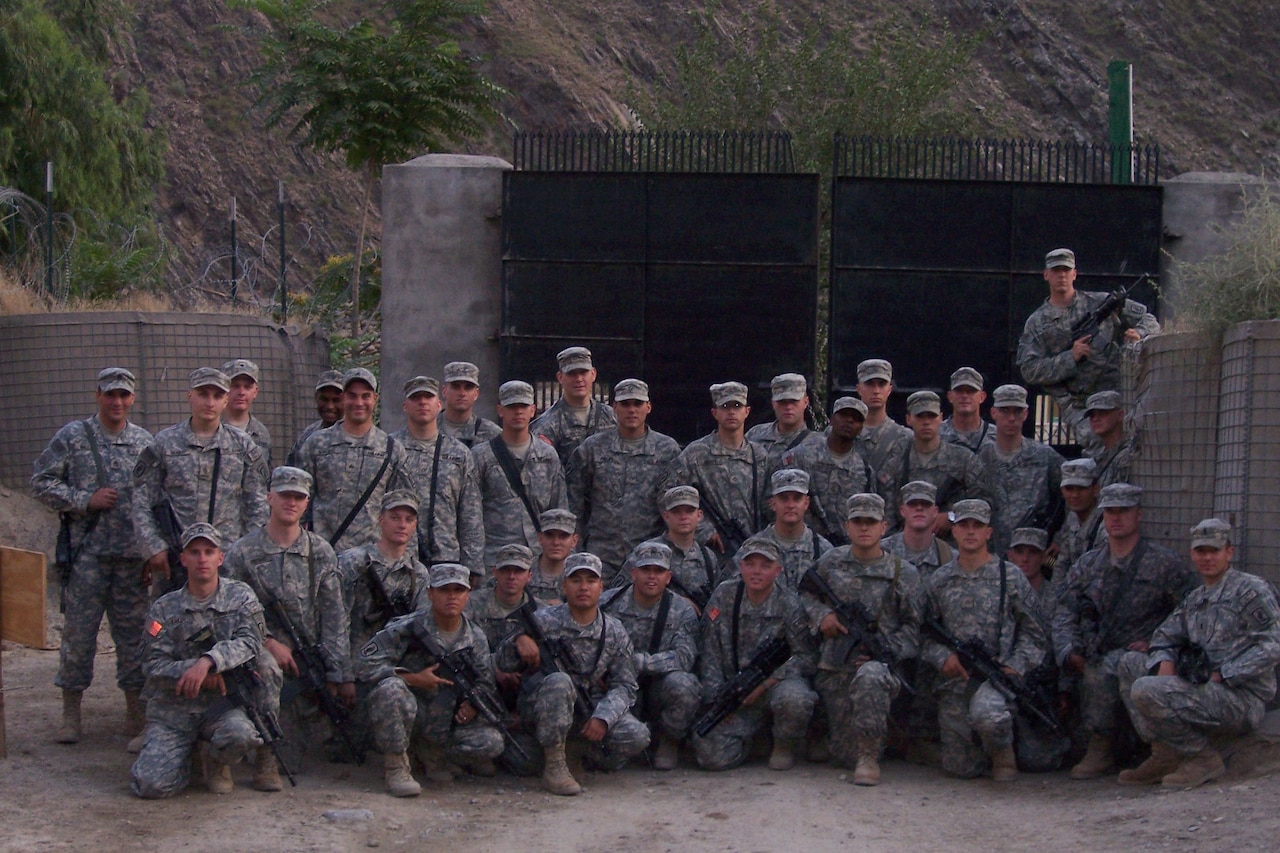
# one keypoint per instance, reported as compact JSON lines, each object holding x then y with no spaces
{"x":392,"y":85}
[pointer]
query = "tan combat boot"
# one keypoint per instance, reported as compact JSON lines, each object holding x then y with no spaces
{"x":1205,"y":766}
{"x":266,"y":777}
{"x":135,"y":717}
{"x":220,"y":781}
{"x":781,"y":757}
{"x":69,"y":731}
{"x":1097,"y":759}
{"x":556,"y":777}
{"x":867,"y":771}
{"x":435,"y":767}
{"x":1004,"y":765}
{"x":668,"y":754}
{"x":1162,"y":762}
{"x":400,"y":781}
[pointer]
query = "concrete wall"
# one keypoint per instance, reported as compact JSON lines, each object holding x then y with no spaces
{"x":441,"y":273}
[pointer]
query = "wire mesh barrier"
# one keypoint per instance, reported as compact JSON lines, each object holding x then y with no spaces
{"x":765,"y":151}
{"x":52,"y":361}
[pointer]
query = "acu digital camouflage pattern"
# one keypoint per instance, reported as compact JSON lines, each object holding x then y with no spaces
{"x":876,"y":443}
{"x":561,"y":428}
{"x":955,"y":471}
{"x":1020,"y":488}
{"x":343,"y":466}
{"x":458,"y":526}
{"x":261,"y":436}
{"x":473,"y":432}
{"x":1076,"y":538}
{"x":404,"y":583}
{"x":832,"y":481}
{"x":796,"y":555}
{"x":695,"y":572}
{"x":505,"y":518}
{"x":1115,"y":464}
{"x":970,"y":440}
{"x":939,"y":553}
{"x":724,"y":478}
{"x":779,"y":444}
{"x":495,"y":618}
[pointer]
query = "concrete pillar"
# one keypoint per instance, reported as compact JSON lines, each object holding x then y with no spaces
{"x":441,"y":273}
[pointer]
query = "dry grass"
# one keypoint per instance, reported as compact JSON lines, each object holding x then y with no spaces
{"x":16,"y":299}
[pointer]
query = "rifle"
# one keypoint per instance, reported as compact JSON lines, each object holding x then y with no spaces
{"x":975,"y":658}
{"x":1193,"y":664}
{"x":730,"y":696}
{"x":1088,"y":325}
{"x":732,"y":533}
{"x":699,"y":596}
{"x":466,"y":684}
{"x":862,"y":629}
{"x":171,"y":532}
{"x":556,"y":657}
{"x":241,"y":683}
{"x":394,"y":607}
{"x":311,"y":670}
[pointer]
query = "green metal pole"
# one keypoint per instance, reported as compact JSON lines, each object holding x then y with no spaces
{"x":1120,"y":91}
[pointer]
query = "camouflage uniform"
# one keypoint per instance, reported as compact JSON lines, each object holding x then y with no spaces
{"x":968,"y":604}
{"x":505,"y":518}
{"x":790,"y":702}
{"x":1021,"y":488}
{"x":544,"y":588}
{"x":778,"y":444}
{"x":939,"y":553}
{"x":1075,"y":538}
{"x":493,"y":617}
{"x":307,"y":431}
{"x":857,"y":698}
{"x":695,"y":573}
{"x":832,"y":481}
{"x":404,"y":582}
{"x":458,"y":526}
{"x":559,"y":427}
{"x":343,"y":466}
{"x":475,"y":431}
{"x":724,"y":478}
{"x":173,"y":722}
{"x":261,"y":436}
{"x":1040,"y":750}
{"x":876,"y":443}
{"x":956,"y":472}
{"x":972,"y":440}
{"x":107,"y":575}
{"x":797,"y":555}
{"x":669,"y":694}
{"x":613,"y":489}
{"x":1114,"y":465}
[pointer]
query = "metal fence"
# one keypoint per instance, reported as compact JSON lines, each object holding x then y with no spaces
{"x":765,"y":152}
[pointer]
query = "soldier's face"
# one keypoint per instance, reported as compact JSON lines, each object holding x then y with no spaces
{"x":1106,"y":422}
{"x":576,"y":385}
{"x":1080,"y":498}
{"x":509,"y":582}
{"x":582,"y":589}
{"x":329,"y":405}
{"x":847,"y":424}
{"x":632,"y":414}
{"x":358,"y":402}
{"x":925,"y":425}
{"x":242,"y":394}
{"x":1028,"y":558}
{"x":1212,"y":563}
{"x":459,"y":397}
{"x":789,"y":507}
{"x":399,"y":525}
{"x":1062,"y":281}
{"x":875,"y":393}
{"x":1009,"y":420}
{"x":207,"y":404}
{"x":971,"y":535}
{"x":759,"y":572}
{"x":918,"y":515}
{"x":557,"y":544}
{"x":516,"y":416}
{"x":114,"y":406}
{"x":966,"y":400}
{"x":287,"y":507}
{"x":864,"y":533}
{"x":448,"y":601}
{"x":682,"y":520}
{"x":731,"y":416}
{"x":790,"y":413}
{"x":422,"y":408}
{"x":1121,"y":522}
{"x":202,"y":559}
{"x":650,"y":581}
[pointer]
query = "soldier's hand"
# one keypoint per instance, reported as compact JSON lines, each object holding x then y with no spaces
{"x":190,"y":682}
{"x":103,"y":499}
{"x":1132,"y":336}
{"x":528,"y":652}
{"x":345,"y":692}
{"x":466,"y":713}
{"x":213,"y":683}
{"x":1080,"y":350}
{"x":508,"y":682}
{"x":1075,"y":663}
{"x":954,"y":669}
{"x":1167,"y":667}
{"x":156,"y":564}
{"x":755,"y":695}
{"x":1139,"y":646}
{"x":1215,"y":677}
{"x":426,"y":679}
{"x":716,"y":543}
{"x":831,"y":627}
{"x":942,"y":525}
{"x":595,"y":730}
{"x":283,"y":655}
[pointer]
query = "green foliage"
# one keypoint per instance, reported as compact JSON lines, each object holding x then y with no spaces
{"x":329,"y":288}
{"x":106,"y":259}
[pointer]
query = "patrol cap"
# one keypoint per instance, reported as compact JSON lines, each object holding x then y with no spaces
{"x":203,"y":377}
{"x":446,"y":574}
{"x":924,"y":401}
{"x":116,"y":379}
{"x":422,"y":385}
{"x":1103,"y":401}
{"x":760,"y":545}
{"x":1211,"y":533}
{"x":1079,"y":472}
{"x":967,"y":377}
{"x":583,"y":561}
{"x":514,"y":554}
{"x":359,"y":374}
{"x":201,"y":530}
{"x":330,"y":379}
{"x":1120,"y":495}
{"x":631,"y":389}
{"x":558,"y":519}
{"x":462,"y":371}
{"x":1009,"y":397}
{"x":728,"y":392}
{"x":788,"y":386}
{"x":680,"y":496}
{"x":515,"y":393}
{"x":875,"y":368}
{"x":574,"y":358}
{"x":296,"y":481}
{"x":1033,"y":536}
{"x":790,"y":480}
{"x":241,"y":367}
{"x":865,"y":505}
{"x":974,"y":508}
{"x":398,"y":498}
{"x":650,"y":554}
{"x":918,"y":490}
{"x":850,"y":404}
{"x":1060,"y":258}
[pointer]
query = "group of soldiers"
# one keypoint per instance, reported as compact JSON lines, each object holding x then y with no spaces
{"x":467,"y":594}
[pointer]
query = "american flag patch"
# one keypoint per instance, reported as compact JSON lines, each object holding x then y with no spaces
{"x":154,"y":628}
{"x":713,"y":613}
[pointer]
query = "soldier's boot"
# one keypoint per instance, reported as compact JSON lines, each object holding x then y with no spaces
{"x":556,"y":777}
{"x":135,"y":717}
{"x":220,"y":781}
{"x":435,"y":767}
{"x":69,"y":731}
{"x":668,"y":754}
{"x":400,"y":781}
{"x":1097,"y":759}
{"x":782,"y":758}
{"x":266,"y":776}
{"x":1162,"y":762}
{"x":1205,"y":766}
{"x":1004,"y":765}
{"x":135,"y":744}
{"x":867,"y":771}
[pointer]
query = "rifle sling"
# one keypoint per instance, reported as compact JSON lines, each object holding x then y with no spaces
{"x":1122,"y":590}
{"x":213,"y":486}
{"x":364,"y":498}
{"x":800,"y":436}
{"x":508,"y":464}
{"x":98,"y":478}
{"x":737,"y":613}
{"x":431,"y":501}
{"x":659,"y":624}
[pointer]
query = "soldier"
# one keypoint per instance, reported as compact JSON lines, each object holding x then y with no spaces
{"x":966,"y":426}
{"x":1021,"y":477}
{"x":799,"y":546}
{"x":837,"y":470}
{"x":1027,"y":551}
{"x":856,"y":687}
{"x":443,"y":473}
{"x":197,"y":470}
{"x":663,"y":628}
{"x":1105,"y":412}
{"x":410,"y":696}
{"x":744,"y":614}
{"x":328,"y":407}
{"x":916,"y":542}
{"x":1082,"y":530}
{"x":493,"y":609}
{"x":1113,"y":601}
{"x":185,"y":688}
{"x":596,"y":692}
{"x":575,"y":416}
{"x":730,"y":473}
{"x":1068,"y":370}
{"x":613,"y":479}
{"x":244,"y":376}
{"x":790,"y":392}
{"x":694,"y":567}
{"x":86,"y":474}
{"x":1232,"y":622}
{"x":519,"y":478}
{"x":557,"y":539}
{"x":880,"y":432}
{"x":461,"y":390}
{"x":979,"y":596}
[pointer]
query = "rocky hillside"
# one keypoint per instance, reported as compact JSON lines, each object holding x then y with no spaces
{"x":1205,"y":88}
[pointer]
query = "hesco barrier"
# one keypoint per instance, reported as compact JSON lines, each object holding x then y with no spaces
{"x":50,"y":363}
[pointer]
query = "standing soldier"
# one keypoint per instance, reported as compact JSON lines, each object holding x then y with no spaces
{"x":86,"y":473}
{"x":613,"y":479}
{"x":575,"y":416}
{"x":197,"y":470}
{"x":244,"y":375}
{"x":799,"y":546}
{"x":1105,"y":412}
{"x":966,"y":426}
{"x":881,"y":432}
{"x":1082,"y":531}
{"x":443,"y":473}
{"x":695,"y":570}
{"x":837,"y":470}
{"x":328,"y":407}
{"x":788,"y":430}
{"x":461,"y":390}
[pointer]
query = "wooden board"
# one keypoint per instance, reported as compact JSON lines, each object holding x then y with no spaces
{"x":22,"y":597}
